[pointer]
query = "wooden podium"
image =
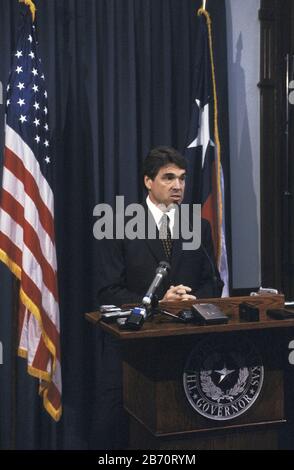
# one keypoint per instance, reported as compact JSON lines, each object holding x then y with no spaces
{"x":161,"y":391}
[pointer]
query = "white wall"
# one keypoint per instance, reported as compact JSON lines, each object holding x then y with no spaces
{"x":243,"y":39}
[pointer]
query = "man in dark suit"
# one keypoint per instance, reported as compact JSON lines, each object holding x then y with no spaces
{"x":127,"y":267}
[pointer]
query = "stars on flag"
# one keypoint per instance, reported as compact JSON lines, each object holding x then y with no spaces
{"x":21,"y":102}
{"x":28,"y":98}
{"x":203,"y":137}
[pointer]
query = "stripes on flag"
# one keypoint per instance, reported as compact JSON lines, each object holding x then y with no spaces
{"x":27,"y":237}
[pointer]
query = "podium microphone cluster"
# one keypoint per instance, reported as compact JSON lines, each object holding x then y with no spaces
{"x":139,"y":314}
{"x":161,"y":272}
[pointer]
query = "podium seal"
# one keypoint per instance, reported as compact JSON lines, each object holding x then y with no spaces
{"x":222,"y":379}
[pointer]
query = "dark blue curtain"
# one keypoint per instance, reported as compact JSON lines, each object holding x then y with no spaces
{"x":120,"y":81}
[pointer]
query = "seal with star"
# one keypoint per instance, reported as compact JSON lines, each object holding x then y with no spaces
{"x":223,"y":379}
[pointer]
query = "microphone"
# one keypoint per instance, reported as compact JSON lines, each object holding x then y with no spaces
{"x":161,"y":272}
{"x":139,"y":314}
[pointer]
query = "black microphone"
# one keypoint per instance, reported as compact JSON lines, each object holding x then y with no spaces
{"x":161,"y":272}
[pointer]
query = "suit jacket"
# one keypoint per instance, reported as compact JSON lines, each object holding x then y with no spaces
{"x":126,"y":268}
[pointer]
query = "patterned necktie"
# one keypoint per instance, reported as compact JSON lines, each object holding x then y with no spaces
{"x":165,"y":236}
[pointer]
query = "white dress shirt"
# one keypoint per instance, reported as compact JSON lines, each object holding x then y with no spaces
{"x":158,"y":210}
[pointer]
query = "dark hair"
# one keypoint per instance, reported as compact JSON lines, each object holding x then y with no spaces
{"x":159,"y":157}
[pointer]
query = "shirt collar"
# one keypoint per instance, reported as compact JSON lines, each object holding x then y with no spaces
{"x":158,"y":210}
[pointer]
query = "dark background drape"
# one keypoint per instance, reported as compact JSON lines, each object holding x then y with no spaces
{"x":120,"y":81}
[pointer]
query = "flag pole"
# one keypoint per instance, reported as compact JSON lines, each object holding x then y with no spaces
{"x":31,"y":6}
{"x":14,"y":347}
{"x":202,"y":11}
{"x":204,"y":5}
{"x":15,"y":307}
{"x":14,"y":335}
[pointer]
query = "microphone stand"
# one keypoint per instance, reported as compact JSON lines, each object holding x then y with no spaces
{"x":154,"y":309}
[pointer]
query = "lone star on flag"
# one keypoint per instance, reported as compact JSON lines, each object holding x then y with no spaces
{"x":203,"y":138}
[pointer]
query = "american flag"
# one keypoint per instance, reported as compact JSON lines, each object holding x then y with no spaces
{"x":204,"y":143}
{"x":27,"y":239}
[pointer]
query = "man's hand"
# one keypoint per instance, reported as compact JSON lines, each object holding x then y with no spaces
{"x":177,"y":293}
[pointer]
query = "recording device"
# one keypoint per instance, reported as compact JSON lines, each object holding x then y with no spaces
{"x":109,"y":308}
{"x":121,"y":322}
{"x":265,"y":291}
{"x":209,"y":314}
{"x":248,"y":312}
{"x":187,"y":316}
{"x":110,"y":316}
{"x":136,"y":318}
{"x":112,"y":312}
{"x":161,"y":272}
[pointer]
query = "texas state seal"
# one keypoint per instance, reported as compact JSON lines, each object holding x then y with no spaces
{"x":222,"y":379}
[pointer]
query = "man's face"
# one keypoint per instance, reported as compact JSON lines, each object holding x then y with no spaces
{"x":168,"y":186}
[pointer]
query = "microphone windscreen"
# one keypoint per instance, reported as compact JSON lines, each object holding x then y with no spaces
{"x":164,"y":267}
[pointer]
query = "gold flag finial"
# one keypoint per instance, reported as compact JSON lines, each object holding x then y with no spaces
{"x":32,"y":7}
{"x":204,"y":5}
